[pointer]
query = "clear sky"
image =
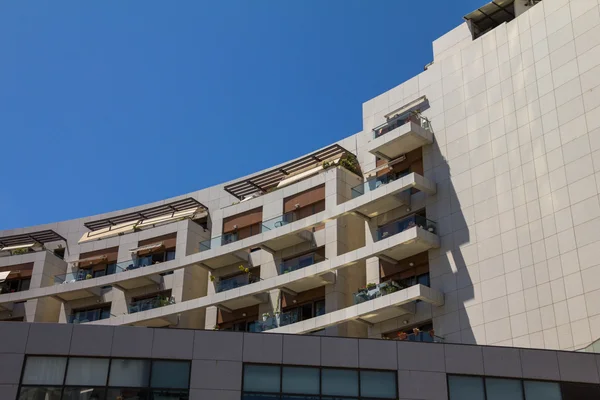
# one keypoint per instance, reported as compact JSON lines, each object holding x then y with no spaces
{"x":111,"y":104}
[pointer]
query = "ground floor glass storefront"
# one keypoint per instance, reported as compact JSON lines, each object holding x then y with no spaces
{"x":81,"y":378}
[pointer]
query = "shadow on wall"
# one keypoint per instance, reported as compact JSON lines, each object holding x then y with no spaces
{"x":453,"y":267}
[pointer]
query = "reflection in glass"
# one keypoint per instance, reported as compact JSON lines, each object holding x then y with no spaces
{"x":44,"y":370}
{"x":170,"y":395}
{"x":339,"y":382}
{"x":466,"y":388}
{"x":501,"y":389}
{"x":87,"y":371}
{"x":300,"y":380}
{"x":261,"y":378}
{"x":128,"y":394}
{"x":129,"y":373}
{"x":170,"y":374}
{"x":39,"y":393}
{"x":381,"y":384}
{"x":258,"y":396}
{"x":535,"y":390}
{"x":83,"y":393}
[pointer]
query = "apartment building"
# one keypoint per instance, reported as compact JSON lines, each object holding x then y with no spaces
{"x":466,"y":211}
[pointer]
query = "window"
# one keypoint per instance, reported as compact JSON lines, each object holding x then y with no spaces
{"x":380,"y":384}
{"x":80,"y":378}
{"x":300,"y":380}
{"x":87,"y":371}
{"x":262,"y":378}
{"x":466,"y":388}
{"x":542,"y":390}
{"x":266,"y":382}
{"x":501,"y":389}
{"x":44,"y":370}
{"x":15,"y":285}
{"x":340,"y":382}
{"x":479,"y":388}
{"x":129,"y":373}
{"x":170,"y":374}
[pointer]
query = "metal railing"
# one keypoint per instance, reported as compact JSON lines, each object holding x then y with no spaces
{"x":150,"y":304}
{"x":300,"y":262}
{"x":404,"y":224}
{"x":399,"y":121}
{"x":376,"y":182}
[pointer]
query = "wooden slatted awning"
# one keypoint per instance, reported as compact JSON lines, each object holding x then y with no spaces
{"x":148,"y":213}
{"x":266,"y":180}
{"x":41,"y":237}
{"x":490,"y":16}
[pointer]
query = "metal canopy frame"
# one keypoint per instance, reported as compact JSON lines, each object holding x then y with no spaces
{"x":266,"y":180}
{"x":175,"y":206}
{"x":27,"y":238}
{"x":490,"y":15}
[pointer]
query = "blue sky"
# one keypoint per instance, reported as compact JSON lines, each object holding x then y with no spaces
{"x":112,"y":104}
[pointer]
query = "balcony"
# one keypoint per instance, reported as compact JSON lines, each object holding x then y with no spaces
{"x":235,"y":282}
{"x":369,"y":311}
{"x":406,"y":237}
{"x":97,"y":314}
{"x":278,"y":320}
{"x":373,"y":291}
{"x":400,"y":135}
{"x":150,"y":304}
{"x":279,"y":221}
{"x":297,"y":263}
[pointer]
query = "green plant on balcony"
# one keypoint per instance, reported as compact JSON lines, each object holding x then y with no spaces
{"x":350,"y":162}
{"x":88,"y":276}
{"x":371,"y":286}
{"x":17,"y":252}
{"x":163,"y":301}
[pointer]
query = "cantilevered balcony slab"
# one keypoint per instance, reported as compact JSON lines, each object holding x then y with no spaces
{"x":372,"y":311}
{"x":291,"y":234}
{"x":373,"y":198}
{"x":236,"y":301}
{"x":158,"y":321}
{"x":405,"y":244}
{"x":400,"y":141}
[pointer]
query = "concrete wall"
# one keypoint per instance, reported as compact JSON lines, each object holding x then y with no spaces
{"x":218,"y":357}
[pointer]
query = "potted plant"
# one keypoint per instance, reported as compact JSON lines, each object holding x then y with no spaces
{"x":402,"y":335}
{"x":88,"y":276}
{"x":371,"y":286}
{"x":265,"y":316}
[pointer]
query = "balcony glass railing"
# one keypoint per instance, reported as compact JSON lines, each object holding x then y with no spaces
{"x":218,"y":241}
{"x":404,"y":224}
{"x":150,"y":304}
{"x":300,"y":262}
{"x":374,"y":291}
{"x":81,"y":317}
{"x":399,"y":121}
{"x":85,"y":274}
{"x":376,"y":182}
{"x":235,"y":282}
{"x":282,"y":319}
{"x":281,"y":220}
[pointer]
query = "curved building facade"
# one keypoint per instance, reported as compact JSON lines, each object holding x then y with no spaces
{"x":466,"y":211}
